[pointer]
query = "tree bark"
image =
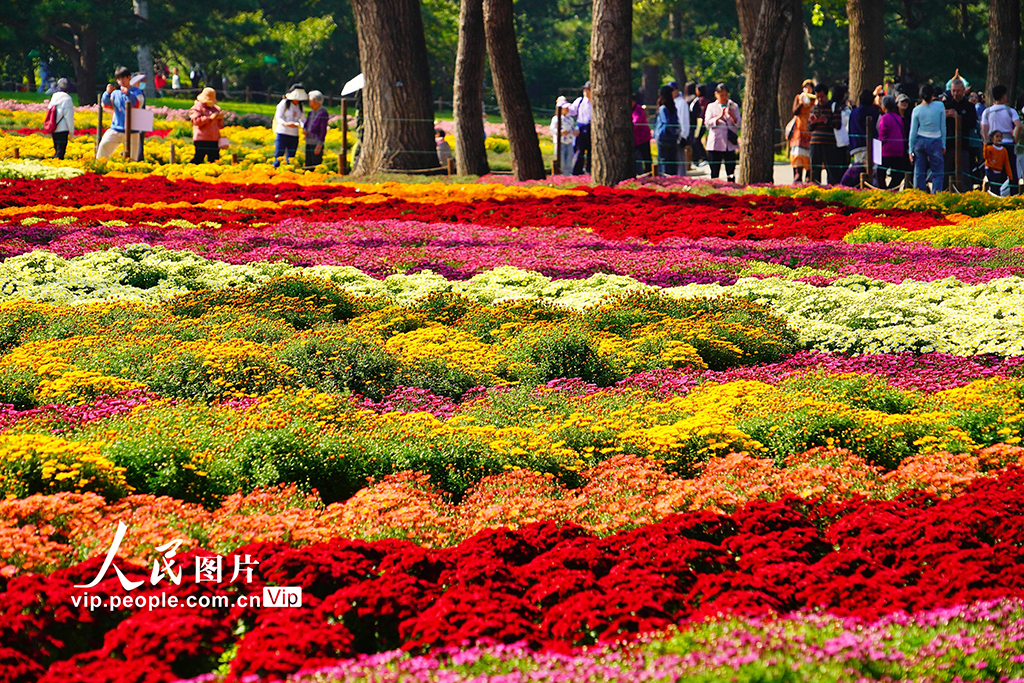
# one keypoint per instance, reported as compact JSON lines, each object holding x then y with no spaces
{"x":145,"y":52}
{"x":470,"y":152}
{"x":650,"y":81}
{"x":510,"y":87}
{"x":747,"y":11}
{"x":611,"y":43}
{"x":397,"y":111}
{"x":1003,"y":46}
{"x":760,"y":96}
{"x":675,"y":32}
{"x":83,"y":54}
{"x":791,"y":75}
{"x":867,"y":44}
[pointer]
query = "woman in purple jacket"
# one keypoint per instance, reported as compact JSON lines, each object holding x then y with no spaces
{"x":894,"y":144}
{"x":641,"y":136}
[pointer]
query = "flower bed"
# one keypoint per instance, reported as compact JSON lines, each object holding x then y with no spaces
{"x":552,"y":586}
{"x":614,"y":214}
{"x":801,"y":647}
{"x":459,"y":412}
{"x":460,"y":251}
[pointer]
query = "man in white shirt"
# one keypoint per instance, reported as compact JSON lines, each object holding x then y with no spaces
{"x":683,"y":111}
{"x":580,"y":111}
{"x":1003,"y":118}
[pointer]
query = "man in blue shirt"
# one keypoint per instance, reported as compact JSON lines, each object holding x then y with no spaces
{"x":118,"y":100}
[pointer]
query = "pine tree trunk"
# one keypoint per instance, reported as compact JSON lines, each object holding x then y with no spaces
{"x":470,"y":153}
{"x":791,"y":75}
{"x":510,"y":87}
{"x":675,"y":32}
{"x":611,"y":42}
{"x":747,"y":11}
{"x":767,"y":45}
{"x":1003,"y":46}
{"x":650,"y":81}
{"x":867,"y":44}
{"x":397,"y":111}
{"x":145,"y":52}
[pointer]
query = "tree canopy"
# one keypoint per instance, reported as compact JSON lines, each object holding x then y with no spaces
{"x":267,"y":45}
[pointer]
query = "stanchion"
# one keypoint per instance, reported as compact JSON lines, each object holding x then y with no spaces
{"x":869,"y":157}
{"x":451,"y":167}
{"x":959,"y":162}
{"x":17,"y":153}
{"x":128,"y":129}
{"x":558,"y":145}
{"x":174,"y":159}
{"x":234,"y":158}
{"x":343,"y":157}
{"x":99,"y":122}
{"x":654,"y":169}
{"x":247,"y":94}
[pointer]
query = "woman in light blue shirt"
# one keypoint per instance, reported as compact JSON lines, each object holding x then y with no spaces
{"x":928,"y":140}
{"x":666,"y":132}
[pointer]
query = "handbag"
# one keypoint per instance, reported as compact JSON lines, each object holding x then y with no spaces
{"x":732,"y":136}
{"x":50,"y":124}
{"x":223,"y":143}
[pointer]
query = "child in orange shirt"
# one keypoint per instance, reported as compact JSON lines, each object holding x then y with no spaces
{"x":997,"y":164}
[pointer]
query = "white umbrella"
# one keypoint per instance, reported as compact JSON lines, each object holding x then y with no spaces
{"x":354,"y":85}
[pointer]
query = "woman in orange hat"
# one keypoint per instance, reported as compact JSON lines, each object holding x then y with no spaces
{"x":207,"y":120}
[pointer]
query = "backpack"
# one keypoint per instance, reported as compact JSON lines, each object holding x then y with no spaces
{"x":671,"y":132}
{"x":50,"y":124}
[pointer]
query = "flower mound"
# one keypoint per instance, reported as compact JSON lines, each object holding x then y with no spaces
{"x":552,"y":586}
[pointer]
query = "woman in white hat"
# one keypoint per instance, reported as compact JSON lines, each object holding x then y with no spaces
{"x":288,"y":119}
{"x":65,"y":116}
{"x":568,"y":133}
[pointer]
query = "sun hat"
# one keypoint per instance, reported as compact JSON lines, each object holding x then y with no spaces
{"x":586,"y":86}
{"x":673,"y":84}
{"x":136,"y":79}
{"x":902,"y":97}
{"x":296,"y":93}
{"x":63,"y":85}
{"x":561,"y":101}
{"x":207,"y":97}
{"x":807,"y":82}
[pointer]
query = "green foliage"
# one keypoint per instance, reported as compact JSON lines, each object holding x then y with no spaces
{"x":342,"y":361}
{"x":550,"y":352}
{"x":868,"y":392}
{"x":873,"y":232}
{"x":18,"y":387}
{"x":439,"y":377}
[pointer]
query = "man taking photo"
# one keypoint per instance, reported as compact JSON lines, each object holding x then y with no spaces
{"x":118,"y":99}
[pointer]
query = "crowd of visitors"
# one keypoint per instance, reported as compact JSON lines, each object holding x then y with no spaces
{"x":688,"y":127}
{"x":908,"y":139}
{"x":911,"y":138}
{"x":206,"y":116}
{"x":916,"y":139}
